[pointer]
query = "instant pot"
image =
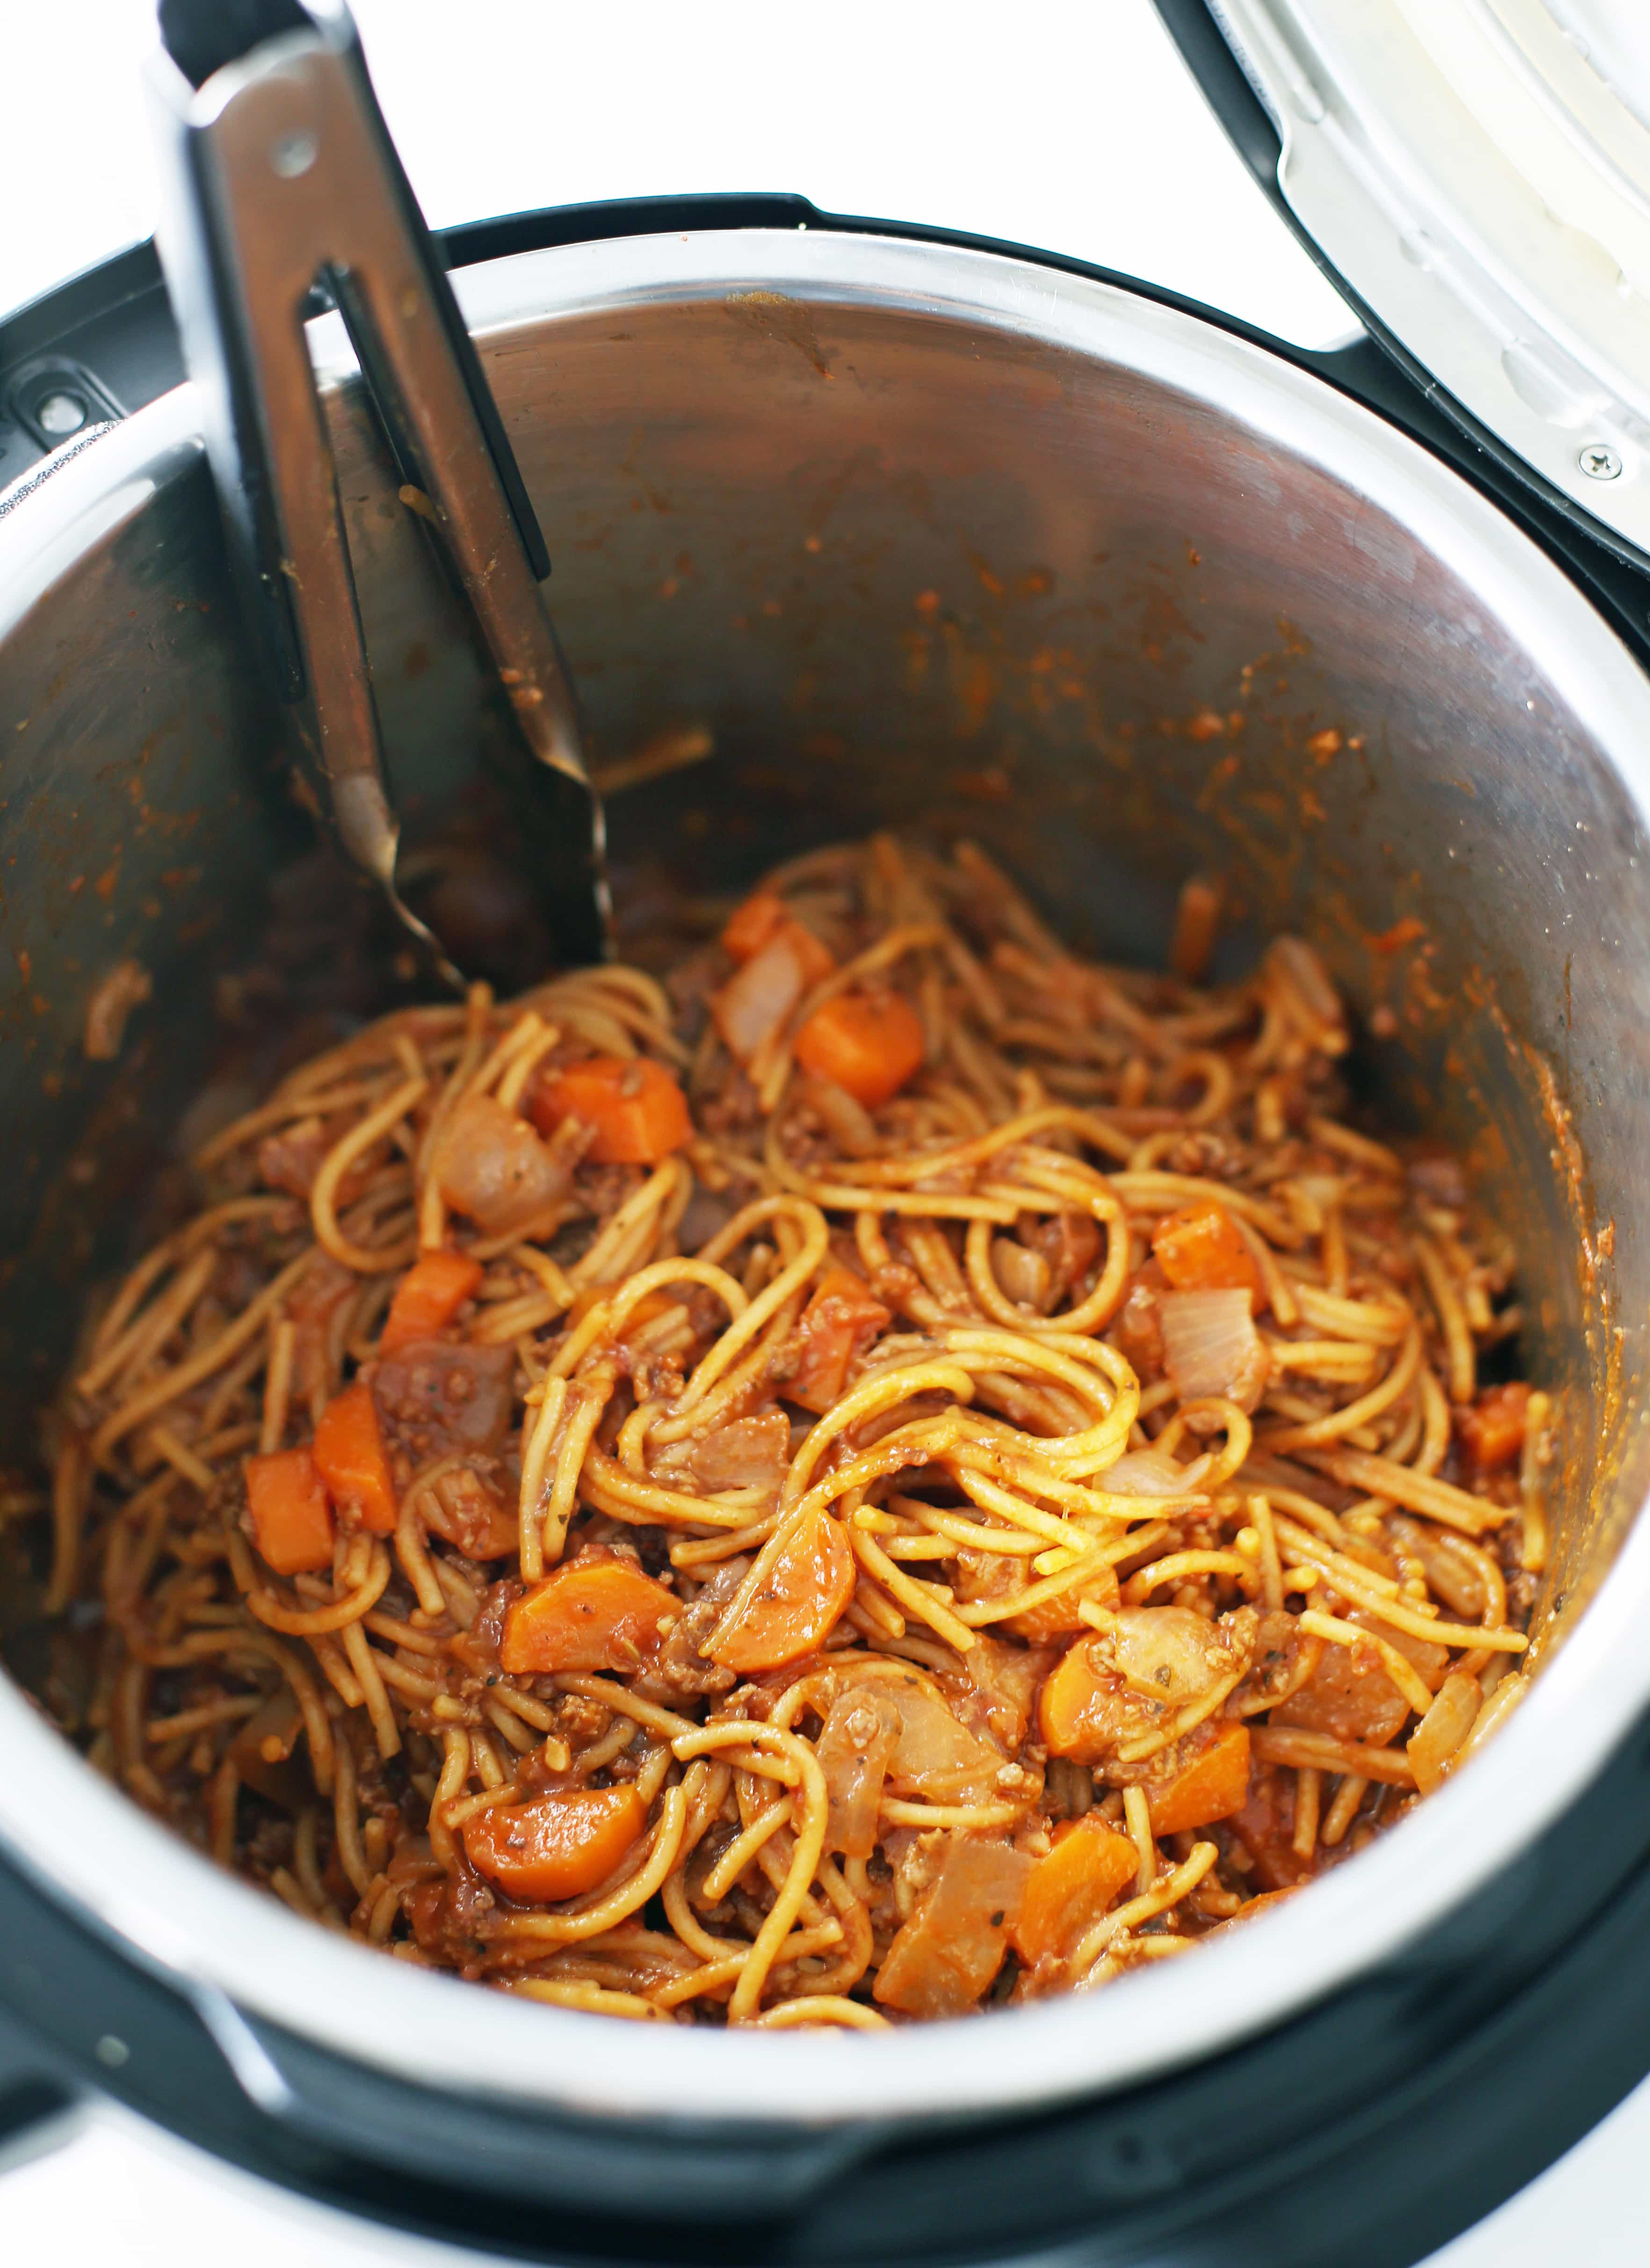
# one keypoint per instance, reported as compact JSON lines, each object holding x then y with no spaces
{"x":916,"y":529}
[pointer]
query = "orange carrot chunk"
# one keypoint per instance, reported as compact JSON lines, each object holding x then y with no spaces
{"x":1067,"y":1893}
{"x":639,"y":1112}
{"x":1212,"y":1785}
{"x":650,"y":1305}
{"x":803,"y":1599}
{"x":1057,"y":1617}
{"x":1202,"y":1249}
{"x":349,"y":1456}
{"x":427,"y":1297}
{"x":1076,"y":1710}
{"x":763,"y":917}
{"x":557,"y":1847}
{"x":1492,"y":1429}
{"x":753,"y":923}
{"x":291,"y":1520}
{"x":837,"y":1324}
{"x":870,"y":1043}
{"x":592,"y":1614}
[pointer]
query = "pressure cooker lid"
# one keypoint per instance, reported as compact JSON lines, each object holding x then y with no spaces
{"x":1477,"y":173}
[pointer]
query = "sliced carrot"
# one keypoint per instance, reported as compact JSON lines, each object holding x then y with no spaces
{"x":650,"y":1305}
{"x":592,"y":1614}
{"x":1212,"y":1785}
{"x":1068,"y":1892}
{"x":801,"y":1602}
{"x":1076,"y":1709}
{"x":1492,"y":1429}
{"x":1057,"y":1617}
{"x":427,"y":1297}
{"x":639,"y":1112}
{"x":291,"y":1520}
{"x":870,"y":1043}
{"x":763,"y":917}
{"x":839,"y":1323}
{"x":557,"y":1847}
{"x":753,"y":923}
{"x":1202,"y":1249}
{"x":349,"y":1456}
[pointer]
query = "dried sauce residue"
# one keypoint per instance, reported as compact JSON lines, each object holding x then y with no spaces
{"x":785,"y":322}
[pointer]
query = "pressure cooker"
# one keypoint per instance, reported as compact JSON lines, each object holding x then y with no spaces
{"x":909,"y":528}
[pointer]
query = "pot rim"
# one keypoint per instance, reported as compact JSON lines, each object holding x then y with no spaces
{"x":228,"y":1946}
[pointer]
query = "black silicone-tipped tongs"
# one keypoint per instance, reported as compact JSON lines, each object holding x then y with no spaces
{"x":278,"y":175}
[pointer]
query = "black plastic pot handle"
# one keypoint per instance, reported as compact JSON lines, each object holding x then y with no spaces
{"x":688,"y":2171}
{"x":36,"y":2108}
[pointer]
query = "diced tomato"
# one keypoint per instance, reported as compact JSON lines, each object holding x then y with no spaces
{"x":803,"y":1599}
{"x":427,"y":1297}
{"x":557,"y":1847}
{"x":638,"y":1111}
{"x":291,"y":1520}
{"x":1067,"y":1893}
{"x":946,"y":1956}
{"x":349,"y":1456}
{"x":841,"y":1320}
{"x":870,"y":1043}
{"x":1492,"y":1429}
{"x":592,"y":1614}
{"x":1202,"y":1249}
{"x":1211,"y":1785}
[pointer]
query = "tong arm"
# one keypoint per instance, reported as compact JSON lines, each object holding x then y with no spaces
{"x":280,"y":173}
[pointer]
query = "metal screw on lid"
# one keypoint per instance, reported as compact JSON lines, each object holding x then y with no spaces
{"x":293,"y":155}
{"x":60,"y":414}
{"x":1599,"y":461}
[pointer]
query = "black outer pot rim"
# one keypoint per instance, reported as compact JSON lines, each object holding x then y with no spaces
{"x":1394,"y":2114}
{"x":1414,"y":2113}
{"x":118,"y":306}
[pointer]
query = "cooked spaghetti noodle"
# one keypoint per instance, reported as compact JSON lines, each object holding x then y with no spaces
{"x":898,"y":1471}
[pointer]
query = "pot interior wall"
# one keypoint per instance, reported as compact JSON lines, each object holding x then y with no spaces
{"x":908,"y":568}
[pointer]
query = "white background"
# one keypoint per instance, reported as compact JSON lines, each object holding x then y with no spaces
{"x":1070,"y":125}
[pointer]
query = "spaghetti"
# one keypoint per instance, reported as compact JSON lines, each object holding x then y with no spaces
{"x":897,"y":1471}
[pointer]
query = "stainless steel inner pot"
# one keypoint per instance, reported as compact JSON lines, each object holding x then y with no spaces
{"x":921,"y":535}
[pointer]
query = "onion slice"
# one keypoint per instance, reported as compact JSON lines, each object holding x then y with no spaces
{"x":1147,"y":1472}
{"x":756,"y":1000}
{"x":1212,"y":1348}
{"x":493,"y":1167}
